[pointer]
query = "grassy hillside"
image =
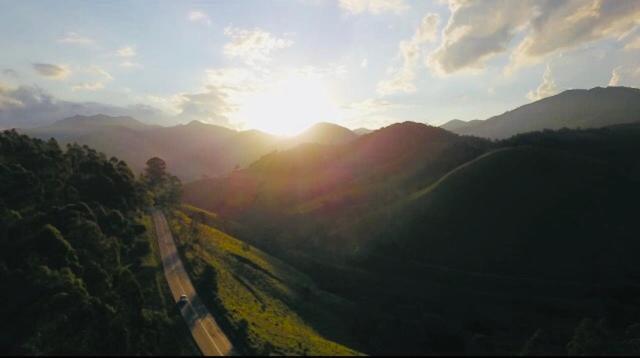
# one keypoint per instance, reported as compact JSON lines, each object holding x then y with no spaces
{"x":269,"y":307}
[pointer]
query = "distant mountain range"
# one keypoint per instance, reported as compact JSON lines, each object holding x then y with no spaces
{"x":594,"y":108}
{"x":192,"y":150}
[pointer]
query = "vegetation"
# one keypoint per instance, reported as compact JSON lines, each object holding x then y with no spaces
{"x":265,"y":305}
{"x":449,"y":244}
{"x":77,"y":265}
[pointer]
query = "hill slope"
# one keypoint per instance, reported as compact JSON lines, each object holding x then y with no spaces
{"x":594,"y":108}
{"x":271,"y":307}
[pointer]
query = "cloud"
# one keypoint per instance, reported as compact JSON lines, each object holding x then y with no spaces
{"x":30,"y":106}
{"x":95,"y":86}
{"x":633,"y":44}
{"x":130,"y":64}
{"x":101,"y":72}
{"x":622,"y":75}
{"x":373,"y":6}
{"x":56,"y":72}
{"x":11,"y":73}
{"x":252,"y":46}
{"x":410,"y":51}
{"x":211,"y":106}
{"x":126,"y":52}
{"x":476,"y":31}
{"x":546,"y":88}
{"x":368,"y":106}
{"x":76,"y":39}
{"x":199,"y":16}
{"x":479,"y":30}
{"x":565,"y":25}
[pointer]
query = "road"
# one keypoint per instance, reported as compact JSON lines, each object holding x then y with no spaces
{"x":205,"y":331}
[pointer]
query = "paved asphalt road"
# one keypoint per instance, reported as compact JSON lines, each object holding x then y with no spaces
{"x":208,"y":336}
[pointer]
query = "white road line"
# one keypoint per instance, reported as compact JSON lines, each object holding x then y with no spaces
{"x":169,"y":246}
{"x":200,"y":320}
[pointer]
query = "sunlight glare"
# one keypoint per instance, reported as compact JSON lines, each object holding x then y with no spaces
{"x":290,"y":106}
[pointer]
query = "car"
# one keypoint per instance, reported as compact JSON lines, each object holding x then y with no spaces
{"x":183,"y":300}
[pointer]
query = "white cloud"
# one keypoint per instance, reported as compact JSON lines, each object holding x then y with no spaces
{"x":51,"y":71}
{"x":546,"y":88}
{"x":101,"y":72}
{"x":76,"y":39}
{"x":479,"y":30}
{"x":126,"y":52}
{"x":252,"y":46}
{"x":625,"y":75}
{"x":566,"y":25}
{"x":199,"y":16}
{"x":373,"y":6}
{"x":410,"y":51}
{"x":94,"y":86}
{"x":633,"y":44}
{"x":130,"y":64}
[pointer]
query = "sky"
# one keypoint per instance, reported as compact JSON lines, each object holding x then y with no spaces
{"x":282,"y":65}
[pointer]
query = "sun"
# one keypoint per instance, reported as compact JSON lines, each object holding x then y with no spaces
{"x":290,"y":105}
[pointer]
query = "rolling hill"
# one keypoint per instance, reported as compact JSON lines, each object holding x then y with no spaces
{"x":192,"y":150}
{"x":593,"y":108}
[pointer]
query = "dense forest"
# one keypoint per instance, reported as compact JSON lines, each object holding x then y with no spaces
{"x":77,"y":265}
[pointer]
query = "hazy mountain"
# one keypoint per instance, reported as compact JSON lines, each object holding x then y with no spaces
{"x":192,"y":150}
{"x":456,"y":124}
{"x":594,"y":108}
{"x":362,"y":131}
{"x":325,"y":133}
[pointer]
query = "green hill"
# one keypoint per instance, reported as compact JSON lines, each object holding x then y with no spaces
{"x":271,"y":307}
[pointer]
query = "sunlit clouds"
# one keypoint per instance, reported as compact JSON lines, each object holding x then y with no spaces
{"x":546,"y":88}
{"x":253,"y":46}
{"x":51,"y":71}
{"x":287,"y":64}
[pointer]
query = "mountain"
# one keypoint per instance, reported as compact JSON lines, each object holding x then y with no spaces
{"x":193,"y":150}
{"x":594,"y":108}
{"x":456,"y":124}
{"x":362,"y":131}
{"x":443,"y":239}
{"x":324,"y":133}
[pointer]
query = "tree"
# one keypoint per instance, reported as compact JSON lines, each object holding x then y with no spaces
{"x":156,"y":171}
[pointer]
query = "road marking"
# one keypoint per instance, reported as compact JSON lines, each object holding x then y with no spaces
{"x":199,"y":319}
{"x":172,"y":268}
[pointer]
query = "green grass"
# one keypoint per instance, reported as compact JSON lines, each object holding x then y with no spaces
{"x":284,"y":310}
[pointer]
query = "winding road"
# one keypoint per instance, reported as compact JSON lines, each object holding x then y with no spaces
{"x":205,"y":331}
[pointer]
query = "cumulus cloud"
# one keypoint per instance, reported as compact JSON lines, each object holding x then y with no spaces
{"x":199,"y":16}
{"x":126,"y":51}
{"x":566,"y":25}
{"x":478,"y":30}
{"x":76,"y":39}
{"x":373,"y":6}
{"x":56,"y":72}
{"x":546,"y":88}
{"x":252,"y":46}
{"x":410,"y":51}
{"x":211,"y":106}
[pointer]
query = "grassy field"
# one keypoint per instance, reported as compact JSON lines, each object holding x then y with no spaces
{"x":269,"y":307}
